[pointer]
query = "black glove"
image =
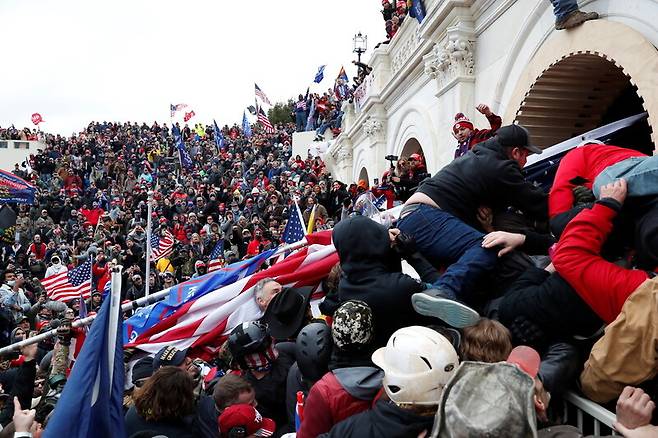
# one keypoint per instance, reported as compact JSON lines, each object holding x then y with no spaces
{"x":405,"y":245}
{"x":582,"y":195}
{"x":64,"y":333}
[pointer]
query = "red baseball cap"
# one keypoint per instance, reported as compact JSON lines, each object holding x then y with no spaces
{"x":525,"y":358}
{"x":244,"y":415}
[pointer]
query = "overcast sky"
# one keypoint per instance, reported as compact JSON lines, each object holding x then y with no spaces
{"x":75,"y":61}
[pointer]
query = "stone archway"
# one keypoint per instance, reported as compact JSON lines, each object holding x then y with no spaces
{"x":363,"y":175}
{"x":581,"y":79}
{"x":412,"y":146}
{"x":577,"y":94}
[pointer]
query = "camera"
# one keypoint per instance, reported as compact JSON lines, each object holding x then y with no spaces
{"x":391,"y":159}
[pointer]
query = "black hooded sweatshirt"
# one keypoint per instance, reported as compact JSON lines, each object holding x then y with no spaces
{"x":484,"y":176}
{"x":372,"y":272}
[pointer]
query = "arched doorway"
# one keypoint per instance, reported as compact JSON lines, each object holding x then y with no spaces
{"x":579,"y":93}
{"x":363,"y":175}
{"x":412,"y":146}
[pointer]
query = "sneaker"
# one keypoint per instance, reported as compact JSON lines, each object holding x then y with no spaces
{"x":576,"y":18}
{"x":439,"y":304}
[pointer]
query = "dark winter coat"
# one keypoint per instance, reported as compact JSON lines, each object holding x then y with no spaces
{"x":372,"y":273}
{"x":384,"y":420}
{"x":484,"y":176}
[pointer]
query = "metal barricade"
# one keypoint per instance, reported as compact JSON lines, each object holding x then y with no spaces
{"x":589,"y":417}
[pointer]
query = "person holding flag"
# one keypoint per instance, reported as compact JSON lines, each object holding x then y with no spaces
{"x":91,"y":403}
{"x":341,"y":86}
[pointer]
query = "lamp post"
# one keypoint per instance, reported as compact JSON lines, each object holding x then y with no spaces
{"x":360,"y":45}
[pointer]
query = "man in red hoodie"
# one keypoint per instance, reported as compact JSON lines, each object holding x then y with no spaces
{"x":626,"y":299}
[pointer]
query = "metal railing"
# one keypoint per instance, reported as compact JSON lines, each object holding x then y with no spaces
{"x":587,"y":416}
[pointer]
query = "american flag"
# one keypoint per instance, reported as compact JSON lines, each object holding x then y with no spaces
{"x":161,"y":246}
{"x":69,"y":285}
{"x":263,"y":120}
{"x":204,"y":323}
{"x":216,"y":256}
{"x":294,"y":231}
{"x":173,"y":108}
{"x":261,"y":95}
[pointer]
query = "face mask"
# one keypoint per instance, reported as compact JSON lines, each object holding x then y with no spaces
{"x":11,"y":283}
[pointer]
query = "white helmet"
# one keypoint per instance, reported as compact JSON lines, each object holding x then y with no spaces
{"x":417,"y":362}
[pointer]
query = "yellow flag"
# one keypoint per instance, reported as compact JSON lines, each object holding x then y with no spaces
{"x":311,"y":220}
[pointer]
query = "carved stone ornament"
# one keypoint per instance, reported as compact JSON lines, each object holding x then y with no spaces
{"x":373,"y":127}
{"x":344,"y":153}
{"x":454,"y":58}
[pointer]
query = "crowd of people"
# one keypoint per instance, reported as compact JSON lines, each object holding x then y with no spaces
{"x":514,"y":284}
{"x":520,"y":295}
{"x":13,"y":133}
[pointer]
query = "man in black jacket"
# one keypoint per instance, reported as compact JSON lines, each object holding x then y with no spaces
{"x":442,"y":216}
{"x":371,"y":264}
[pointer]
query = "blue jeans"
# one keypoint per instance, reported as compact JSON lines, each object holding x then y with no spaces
{"x":443,"y":238}
{"x":300,"y":120}
{"x":562,"y":8}
{"x":640,"y":173}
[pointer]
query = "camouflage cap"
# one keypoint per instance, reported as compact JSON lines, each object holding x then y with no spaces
{"x":487,"y":399}
{"x":352,"y":327}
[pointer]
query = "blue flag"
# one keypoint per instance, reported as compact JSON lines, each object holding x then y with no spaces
{"x":319,"y":75}
{"x":183,"y":154}
{"x":417,"y":10}
{"x":92,"y":401}
{"x":217,"y":133}
{"x":146,"y":317}
{"x":246,"y":127}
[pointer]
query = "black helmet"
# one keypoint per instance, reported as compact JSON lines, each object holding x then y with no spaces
{"x":313,"y":350}
{"x":248,"y":337}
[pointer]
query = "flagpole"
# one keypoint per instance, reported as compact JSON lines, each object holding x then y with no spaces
{"x":149,"y":209}
{"x":131,"y":305}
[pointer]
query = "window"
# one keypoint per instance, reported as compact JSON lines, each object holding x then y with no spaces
{"x":4,"y":144}
{"x":21,"y":145}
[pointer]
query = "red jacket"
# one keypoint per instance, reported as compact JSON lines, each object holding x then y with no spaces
{"x":586,"y":162}
{"x":603,"y":285}
{"x":479,"y":135}
{"x":327,"y":404}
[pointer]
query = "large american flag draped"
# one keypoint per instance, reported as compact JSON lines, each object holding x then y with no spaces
{"x":263,"y":120}
{"x":204,"y":323}
{"x":161,"y":245}
{"x":261,"y":95}
{"x":69,"y":285}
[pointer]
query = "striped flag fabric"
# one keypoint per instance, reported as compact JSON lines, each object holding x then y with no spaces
{"x":69,"y":285}
{"x":161,"y":246}
{"x":294,"y":231}
{"x":179,"y":295}
{"x":216,"y":256}
{"x":204,"y":323}
{"x":173,"y":108}
{"x":261,"y":95}
{"x":265,"y":122}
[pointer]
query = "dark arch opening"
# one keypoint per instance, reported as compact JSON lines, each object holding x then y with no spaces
{"x":579,"y":93}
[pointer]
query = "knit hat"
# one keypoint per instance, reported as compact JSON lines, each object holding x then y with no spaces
{"x":352,"y":327}
{"x":461,"y":121}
